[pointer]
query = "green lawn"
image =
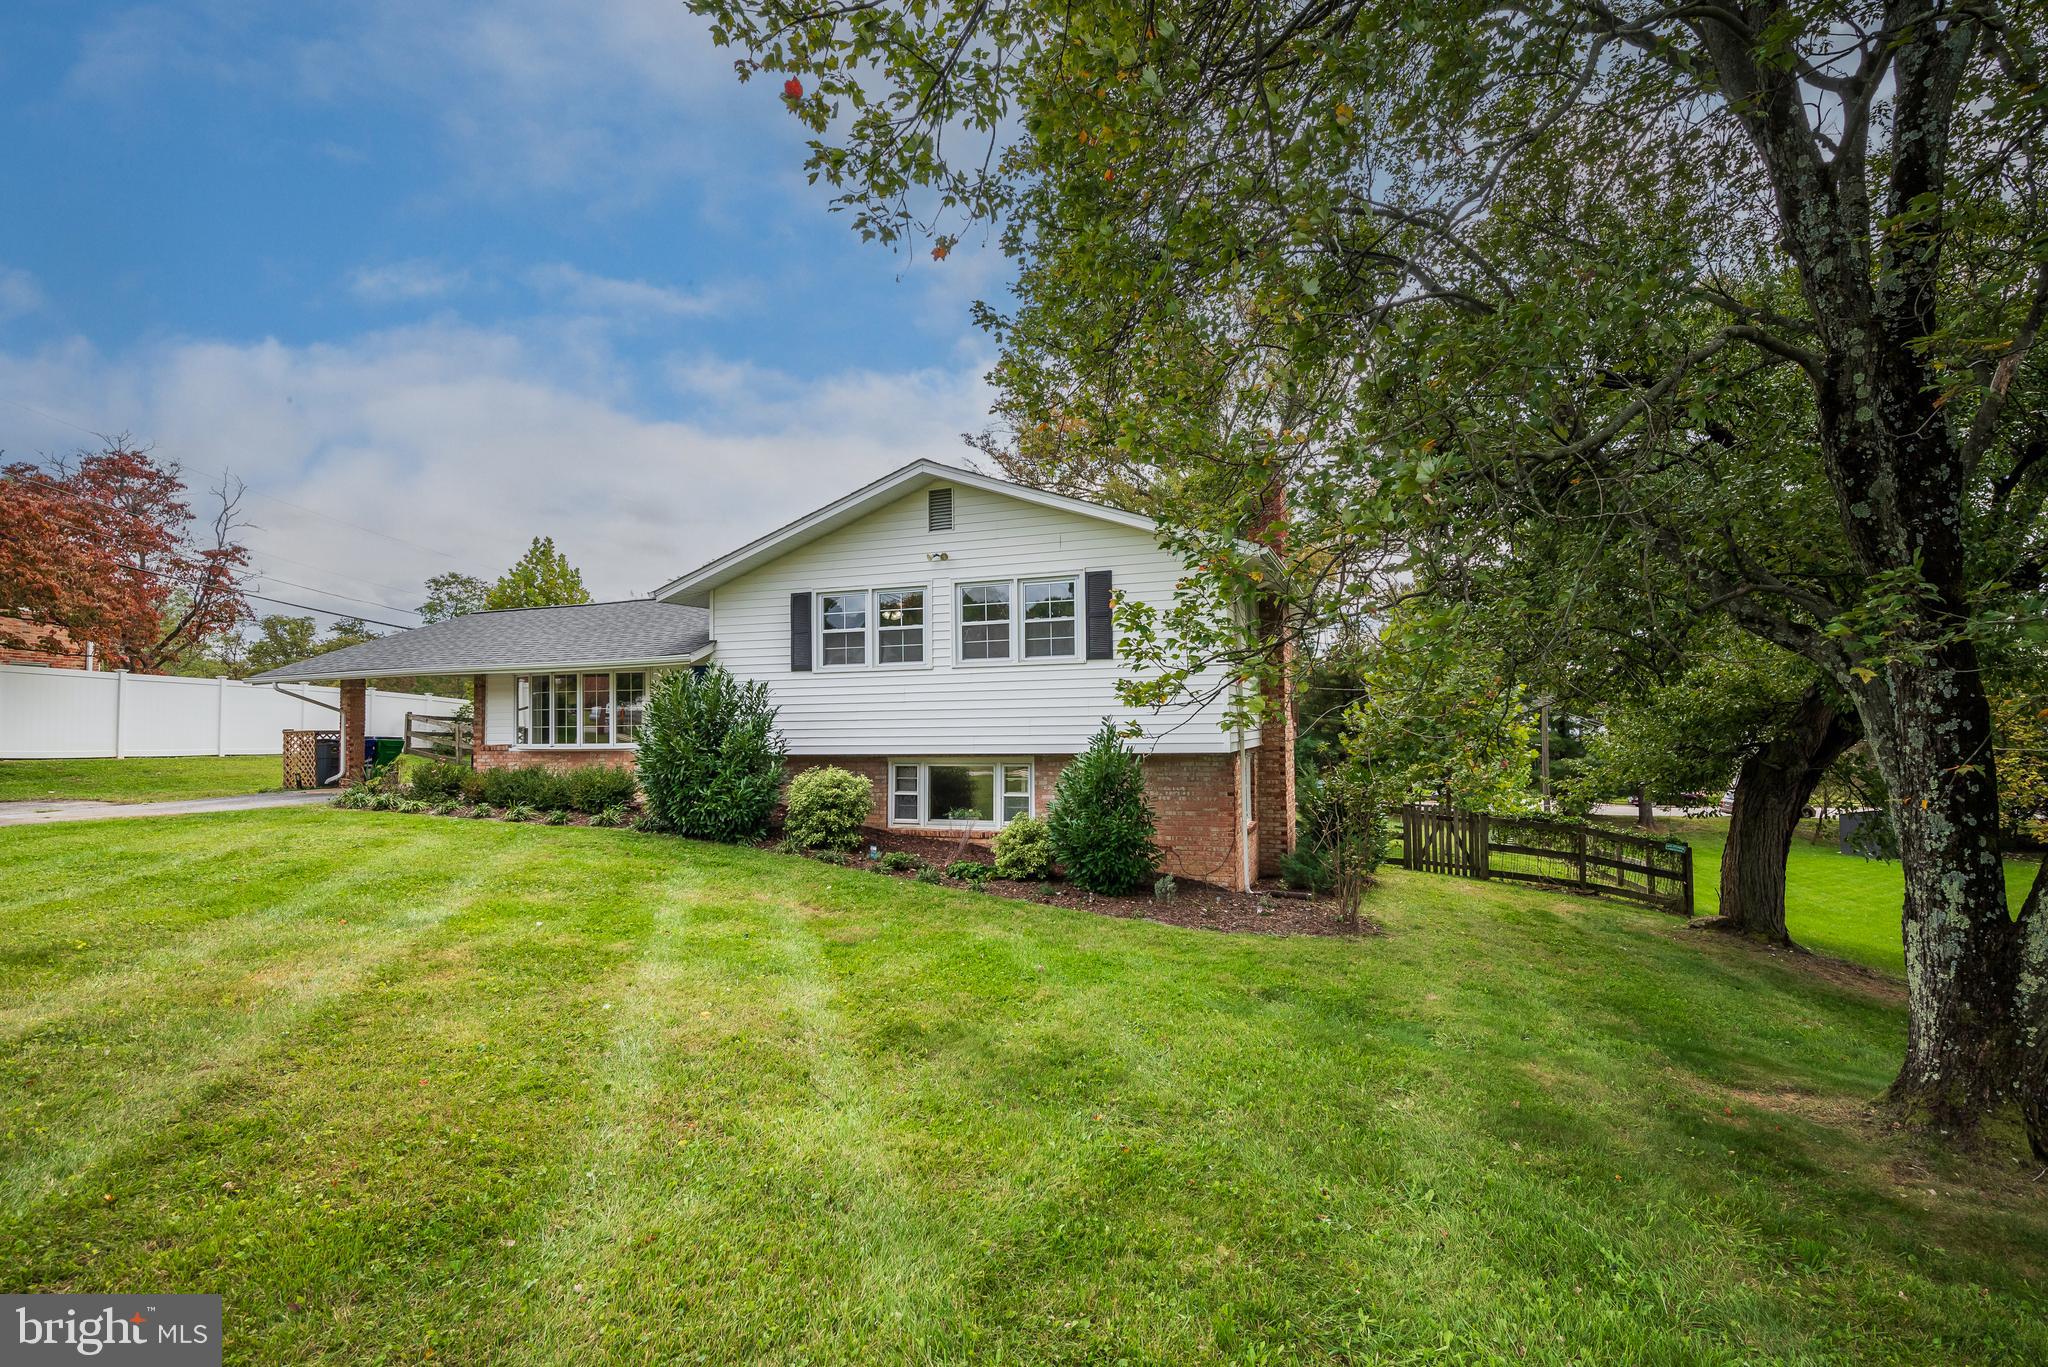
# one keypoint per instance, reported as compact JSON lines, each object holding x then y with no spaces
{"x":138,"y":780}
{"x":1840,"y":904}
{"x":396,"y":1084}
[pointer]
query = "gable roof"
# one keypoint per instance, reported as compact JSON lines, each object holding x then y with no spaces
{"x":917,"y":475}
{"x":586,"y":635}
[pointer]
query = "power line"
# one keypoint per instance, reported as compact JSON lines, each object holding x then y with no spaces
{"x":329,"y":569}
{"x":328,"y":612}
{"x":342,"y":522}
{"x":330,"y":593}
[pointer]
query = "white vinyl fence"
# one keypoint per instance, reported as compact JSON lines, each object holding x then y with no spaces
{"x":79,"y":714}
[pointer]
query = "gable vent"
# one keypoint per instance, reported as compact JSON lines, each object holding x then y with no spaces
{"x":939,"y":510}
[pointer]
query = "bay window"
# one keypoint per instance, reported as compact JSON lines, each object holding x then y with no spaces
{"x":966,"y":792}
{"x":580,"y":709}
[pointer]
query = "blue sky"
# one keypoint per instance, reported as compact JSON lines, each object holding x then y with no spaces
{"x":461,"y":272}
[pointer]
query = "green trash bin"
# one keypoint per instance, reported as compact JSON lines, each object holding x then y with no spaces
{"x":389,"y":748}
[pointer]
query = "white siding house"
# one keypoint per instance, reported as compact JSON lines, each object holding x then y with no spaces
{"x":944,"y":702}
{"x":946,"y":634}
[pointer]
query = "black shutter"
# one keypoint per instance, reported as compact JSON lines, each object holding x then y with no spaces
{"x":1101,"y":632}
{"x":800,"y":631}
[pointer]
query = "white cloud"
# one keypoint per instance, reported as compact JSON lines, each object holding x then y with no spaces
{"x":399,"y":282}
{"x":19,"y":293}
{"x":586,"y":293}
{"x":472,"y":441}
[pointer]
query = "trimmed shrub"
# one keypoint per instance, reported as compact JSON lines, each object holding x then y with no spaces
{"x":710,"y":757}
{"x":525,"y":787}
{"x":599,"y":786}
{"x":1023,"y":849}
{"x":901,"y":861}
{"x":444,"y":780}
{"x":1306,"y":870}
{"x":1100,"y":824}
{"x":826,"y":809}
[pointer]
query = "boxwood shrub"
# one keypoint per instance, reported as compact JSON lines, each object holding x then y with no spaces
{"x":826,"y":808}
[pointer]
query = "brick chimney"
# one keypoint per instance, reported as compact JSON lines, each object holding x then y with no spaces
{"x":1272,"y":763}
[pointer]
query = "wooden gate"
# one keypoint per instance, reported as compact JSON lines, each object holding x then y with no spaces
{"x":438,"y":737}
{"x":1539,"y":849}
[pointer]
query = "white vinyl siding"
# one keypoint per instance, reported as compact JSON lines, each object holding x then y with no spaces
{"x":1006,"y":706}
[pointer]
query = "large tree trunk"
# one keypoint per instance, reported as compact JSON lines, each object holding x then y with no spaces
{"x":1963,"y":1051}
{"x":1771,"y":789}
{"x":1646,"y":812}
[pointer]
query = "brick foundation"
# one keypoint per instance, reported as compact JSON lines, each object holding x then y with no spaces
{"x":1194,"y":798}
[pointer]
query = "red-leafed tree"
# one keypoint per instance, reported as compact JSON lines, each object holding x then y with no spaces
{"x":103,"y":547}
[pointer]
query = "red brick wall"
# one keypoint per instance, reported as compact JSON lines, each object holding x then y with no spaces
{"x":1273,"y":795}
{"x":1194,"y":798}
{"x":354,"y":716}
{"x":23,"y":642}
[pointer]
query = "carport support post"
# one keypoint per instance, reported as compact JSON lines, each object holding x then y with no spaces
{"x":354,"y":715}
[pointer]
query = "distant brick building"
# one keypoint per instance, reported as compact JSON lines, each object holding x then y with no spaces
{"x":61,"y":651}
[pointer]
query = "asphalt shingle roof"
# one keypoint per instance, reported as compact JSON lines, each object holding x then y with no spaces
{"x":636,"y":631}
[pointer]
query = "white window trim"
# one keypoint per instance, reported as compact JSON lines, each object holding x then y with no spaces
{"x":924,"y":660}
{"x":1000,"y":763}
{"x":1079,"y":580}
{"x":1017,"y":655}
{"x":522,"y":703}
{"x":873,"y":644}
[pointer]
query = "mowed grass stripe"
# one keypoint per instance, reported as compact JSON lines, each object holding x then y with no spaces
{"x":835,"y":1117}
{"x":228,"y":1013}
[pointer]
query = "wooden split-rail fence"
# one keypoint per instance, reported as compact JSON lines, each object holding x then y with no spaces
{"x":1535,"y":849}
{"x":439,"y":737}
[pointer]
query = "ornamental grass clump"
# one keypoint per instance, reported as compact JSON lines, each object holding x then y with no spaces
{"x":1101,"y":825}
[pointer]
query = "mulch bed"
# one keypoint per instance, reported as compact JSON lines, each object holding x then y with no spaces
{"x":1199,"y":905}
{"x":1267,"y":910}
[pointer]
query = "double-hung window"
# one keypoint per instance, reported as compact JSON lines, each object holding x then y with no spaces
{"x":1049,"y":619}
{"x":985,"y":621}
{"x":843,"y":628}
{"x":865,"y":627}
{"x":967,"y":792}
{"x":581,"y":709}
{"x":899,"y":626}
{"x":1020,"y":619}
